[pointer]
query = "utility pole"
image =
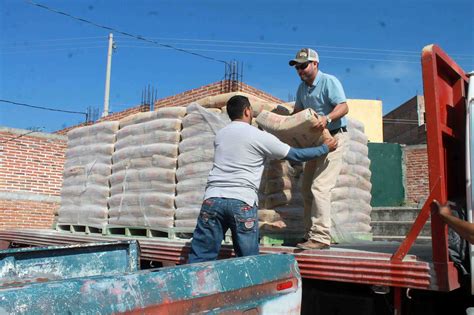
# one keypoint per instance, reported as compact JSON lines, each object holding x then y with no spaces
{"x":107,"y":76}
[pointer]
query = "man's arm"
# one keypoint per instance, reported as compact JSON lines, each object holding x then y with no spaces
{"x":339,"y":111}
{"x":463,"y":228}
{"x":307,"y":154}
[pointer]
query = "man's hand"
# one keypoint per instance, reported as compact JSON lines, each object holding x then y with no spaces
{"x":331,"y":143}
{"x":443,"y":210}
{"x":320,"y":123}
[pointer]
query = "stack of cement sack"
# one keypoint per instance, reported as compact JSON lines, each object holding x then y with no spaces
{"x":86,"y":175}
{"x":280,"y":204}
{"x":281,"y":183}
{"x":196,"y":155}
{"x":143,"y":182}
{"x":350,"y":198}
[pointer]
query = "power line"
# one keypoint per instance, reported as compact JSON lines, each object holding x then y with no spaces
{"x":280,"y":54}
{"x":44,"y":108}
{"x":124,"y":33}
{"x":305,"y":45}
{"x":48,"y":50}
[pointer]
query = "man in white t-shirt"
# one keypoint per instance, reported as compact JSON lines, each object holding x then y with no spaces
{"x":230,"y":200}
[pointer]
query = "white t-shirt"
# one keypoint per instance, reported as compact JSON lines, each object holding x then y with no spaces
{"x":240,"y":153}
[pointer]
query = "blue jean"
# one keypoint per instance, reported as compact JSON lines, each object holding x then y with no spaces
{"x":216,"y":217}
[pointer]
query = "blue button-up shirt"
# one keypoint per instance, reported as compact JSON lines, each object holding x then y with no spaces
{"x":322,"y":96}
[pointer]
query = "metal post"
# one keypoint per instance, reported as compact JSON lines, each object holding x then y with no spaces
{"x":470,"y":163}
{"x":397,"y":301}
{"x":107,"y":76}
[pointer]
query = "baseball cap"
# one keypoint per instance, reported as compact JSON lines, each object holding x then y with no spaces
{"x":305,"y":55}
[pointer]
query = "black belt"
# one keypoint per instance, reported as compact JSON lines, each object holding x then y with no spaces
{"x":334,"y":131}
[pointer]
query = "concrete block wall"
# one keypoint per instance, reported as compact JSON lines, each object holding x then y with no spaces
{"x":31,"y":172}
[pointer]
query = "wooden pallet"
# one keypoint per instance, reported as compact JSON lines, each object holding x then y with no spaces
{"x":140,"y":231}
{"x":79,"y":228}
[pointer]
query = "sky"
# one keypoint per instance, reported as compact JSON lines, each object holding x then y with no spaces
{"x":373,"y":47}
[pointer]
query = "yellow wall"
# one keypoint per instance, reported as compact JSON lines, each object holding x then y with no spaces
{"x":369,"y":112}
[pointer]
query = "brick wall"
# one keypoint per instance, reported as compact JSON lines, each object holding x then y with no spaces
{"x":31,"y":171}
{"x":27,"y":214}
{"x":416,"y":180}
{"x":406,"y":124}
{"x":212,"y":89}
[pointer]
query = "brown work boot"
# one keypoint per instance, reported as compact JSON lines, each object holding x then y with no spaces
{"x":312,"y":244}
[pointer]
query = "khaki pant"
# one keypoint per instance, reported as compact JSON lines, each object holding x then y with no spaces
{"x":320,"y":176}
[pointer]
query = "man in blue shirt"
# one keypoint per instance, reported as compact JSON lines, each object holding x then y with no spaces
{"x":230,"y":200}
{"x":324,"y":94}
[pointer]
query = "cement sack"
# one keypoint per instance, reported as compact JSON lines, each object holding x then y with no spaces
{"x":197,"y":114}
{"x":91,"y":140}
{"x":277,"y":169}
{"x":156,"y":136}
{"x":143,"y":186}
{"x":357,"y":147}
{"x":106,"y":127}
{"x":143,"y":175}
{"x":193,"y":170}
{"x":88,"y":170}
{"x":295,"y":130}
{"x":353,"y":180}
{"x":344,"y":193}
{"x":277,"y":184}
{"x":358,"y":136}
{"x":78,"y":202}
{"x":354,"y":124}
{"x":73,"y":212}
{"x":187,"y":213}
{"x":163,"y":149}
{"x":347,"y":216}
{"x":92,"y":191}
{"x":84,"y":160}
{"x":164,"y":124}
{"x":191,"y":184}
{"x":164,"y":112}
{"x":204,"y":142}
{"x":195,"y":156}
{"x":351,"y":205}
{"x":197,"y":129}
{"x":355,"y":227}
{"x":95,"y":179}
{"x":361,"y":171}
{"x":155,"y":161}
{"x":188,"y":223}
{"x":188,"y":199}
{"x":278,"y":199}
{"x":356,"y":159}
{"x":144,"y":200}
{"x":90,"y":150}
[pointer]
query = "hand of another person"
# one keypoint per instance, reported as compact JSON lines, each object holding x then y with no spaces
{"x":331,"y":143}
{"x":443,"y":210}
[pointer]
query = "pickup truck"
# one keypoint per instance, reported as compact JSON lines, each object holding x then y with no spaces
{"x":104,"y":278}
